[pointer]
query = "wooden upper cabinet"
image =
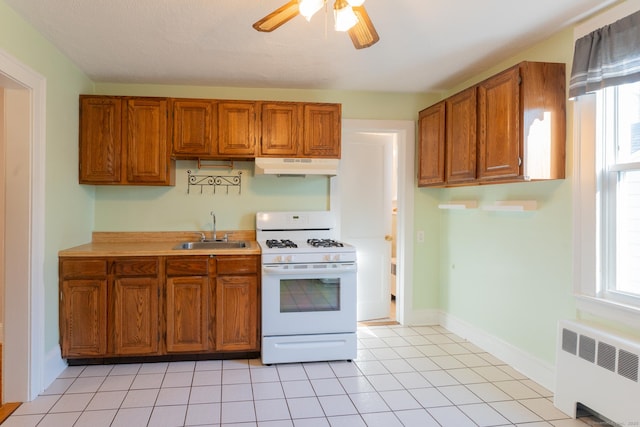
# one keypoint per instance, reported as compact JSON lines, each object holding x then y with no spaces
{"x":461,"y":137}
{"x":499,"y":145}
{"x":100,"y":140}
{"x":146,"y":141}
{"x":522,"y":124}
{"x":237,"y":129}
{"x":280,"y":129}
{"x":194,"y":127}
{"x":508,"y":128}
{"x":431,"y":149}
{"x":124,"y":140}
{"x":322,"y":130}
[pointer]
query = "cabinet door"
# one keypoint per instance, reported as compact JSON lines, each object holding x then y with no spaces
{"x":322,"y":130}
{"x":135,"y":317}
{"x":83,"y":317}
{"x":237,"y":313}
{"x":461,"y":137}
{"x":499,"y":124}
{"x":280,"y":129}
{"x":431,"y":128}
{"x":236,"y":129}
{"x":147,"y":154}
{"x":100,"y":140}
{"x":194,"y":122}
{"x":187,"y":313}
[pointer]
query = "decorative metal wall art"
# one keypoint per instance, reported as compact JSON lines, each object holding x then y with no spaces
{"x":215,"y":181}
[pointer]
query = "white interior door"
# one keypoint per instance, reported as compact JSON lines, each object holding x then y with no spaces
{"x":365,"y":182}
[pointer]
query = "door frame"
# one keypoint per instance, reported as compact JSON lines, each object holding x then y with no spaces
{"x":404,"y":132}
{"x":24,"y":321}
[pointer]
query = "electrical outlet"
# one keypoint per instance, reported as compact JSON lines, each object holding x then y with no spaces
{"x":420,"y":236}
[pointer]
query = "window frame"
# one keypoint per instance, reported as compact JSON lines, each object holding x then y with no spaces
{"x":607,"y":129}
{"x":590,"y":213}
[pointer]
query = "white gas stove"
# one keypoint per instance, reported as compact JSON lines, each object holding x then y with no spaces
{"x":308,"y":288}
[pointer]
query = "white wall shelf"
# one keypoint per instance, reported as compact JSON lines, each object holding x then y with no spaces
{"x":459,"y":204}
{"x":512,"y":206}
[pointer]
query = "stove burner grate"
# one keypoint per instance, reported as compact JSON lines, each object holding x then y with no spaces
{"x":283,"y":243}
{"x":324,"y":243}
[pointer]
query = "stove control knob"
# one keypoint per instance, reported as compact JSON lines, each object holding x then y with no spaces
{"x":336,"y":257}
{"x":278,"y":258}
{"x":289,"y":258}
{"x":326,"y":257}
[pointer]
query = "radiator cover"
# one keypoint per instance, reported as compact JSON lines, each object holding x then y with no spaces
{"x":598,"y":369}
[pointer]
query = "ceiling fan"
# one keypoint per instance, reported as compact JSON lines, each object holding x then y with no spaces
{"x":350,"y":16}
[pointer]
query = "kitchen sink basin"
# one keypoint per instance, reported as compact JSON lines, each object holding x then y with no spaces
{"x":211,"y":244}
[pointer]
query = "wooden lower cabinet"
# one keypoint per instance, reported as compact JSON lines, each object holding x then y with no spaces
{"x":237,"y":313}
{"x":187,"y":302}
{"x":153,"y":306}
{"x":237,"y":308}
{"x":135,"y":316}
{"x":83,"y":317}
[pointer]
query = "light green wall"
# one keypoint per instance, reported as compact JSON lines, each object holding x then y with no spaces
{"x":68,"y":207}
{"x":355,"y":105}
{"x":510,"y":274}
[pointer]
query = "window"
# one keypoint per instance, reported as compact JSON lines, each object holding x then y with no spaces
{"x":618,"y":193}
{"x":605,"y":84}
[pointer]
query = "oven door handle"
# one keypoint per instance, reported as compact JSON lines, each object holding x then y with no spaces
{"x":282,"y":270}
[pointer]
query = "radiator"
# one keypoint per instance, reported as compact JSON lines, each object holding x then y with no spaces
{"x":599,"y":370}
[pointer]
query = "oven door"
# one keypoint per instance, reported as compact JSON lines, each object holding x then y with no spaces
{"x":308,"y":299}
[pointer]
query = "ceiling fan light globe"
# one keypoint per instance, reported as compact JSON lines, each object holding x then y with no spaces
{"x":309,"y":7}
{"x":344,"y":16}
{"x":355,"y":3}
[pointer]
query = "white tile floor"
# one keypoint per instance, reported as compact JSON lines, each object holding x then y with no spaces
{"x":418,"y":376}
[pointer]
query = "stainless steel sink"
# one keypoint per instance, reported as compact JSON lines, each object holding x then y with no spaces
{"x":211,"y":244}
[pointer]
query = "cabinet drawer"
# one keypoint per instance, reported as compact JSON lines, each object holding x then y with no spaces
{"x":237,"y":264}
{"x":136,"y":267}
{"x":188,"y":266}
{"x":86,"y":268}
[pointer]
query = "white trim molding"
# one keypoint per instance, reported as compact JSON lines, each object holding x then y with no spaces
{"x":24,"y":333}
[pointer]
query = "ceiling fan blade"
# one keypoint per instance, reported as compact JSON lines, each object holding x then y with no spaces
{"x":363,"y":34}
{"x":278,"y":17}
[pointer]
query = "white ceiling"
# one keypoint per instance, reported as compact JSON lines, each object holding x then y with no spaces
{"x":425,"y":45}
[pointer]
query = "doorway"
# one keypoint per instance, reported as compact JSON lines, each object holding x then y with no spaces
{"x":24,"y":96}
{"x":375,"y":242}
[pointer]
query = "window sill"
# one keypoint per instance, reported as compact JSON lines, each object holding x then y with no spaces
{"x":611,"y":310}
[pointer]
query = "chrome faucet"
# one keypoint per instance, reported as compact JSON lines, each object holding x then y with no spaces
{"x":213,"y":215}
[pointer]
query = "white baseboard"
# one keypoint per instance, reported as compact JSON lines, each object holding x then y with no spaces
{"x":54,"y":364}
{"x":424,"y":317}
{"x":538,"y":370}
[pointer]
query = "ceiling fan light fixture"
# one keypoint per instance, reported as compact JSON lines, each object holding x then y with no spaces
{"x":355,"y":3}
{"x":309,"y":7}
{"x":344,"y":16}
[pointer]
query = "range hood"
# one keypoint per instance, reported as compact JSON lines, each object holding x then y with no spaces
{"x":296,"y":166}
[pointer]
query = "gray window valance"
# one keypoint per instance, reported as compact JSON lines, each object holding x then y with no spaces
{"x":609,"y":56}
